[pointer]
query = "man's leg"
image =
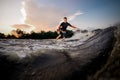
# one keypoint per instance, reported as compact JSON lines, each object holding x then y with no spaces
{"x":63,"y":39}
{"x":64,"y":34}
{"x":57,"y":37}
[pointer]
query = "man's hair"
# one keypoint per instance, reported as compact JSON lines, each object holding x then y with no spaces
{"x":65,"y":17}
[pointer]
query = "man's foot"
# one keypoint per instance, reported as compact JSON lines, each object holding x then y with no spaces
{"x":63,"y":39}
{"x":55,"y":41}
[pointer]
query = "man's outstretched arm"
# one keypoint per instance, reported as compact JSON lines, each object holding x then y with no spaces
{"x":73,"y":26}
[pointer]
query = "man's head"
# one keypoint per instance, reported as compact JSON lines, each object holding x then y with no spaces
{"x":65,"y":19}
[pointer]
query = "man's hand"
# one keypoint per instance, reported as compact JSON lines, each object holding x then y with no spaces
{"x":77,"y":29}
{"x":58,"y":31}
{"x":73,"y":27}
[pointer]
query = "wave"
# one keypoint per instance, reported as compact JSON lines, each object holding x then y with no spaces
{"x":74,"y":59}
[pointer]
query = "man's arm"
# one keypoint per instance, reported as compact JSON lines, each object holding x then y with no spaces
{"x":73,"y":26}
{"x":59,"y":27}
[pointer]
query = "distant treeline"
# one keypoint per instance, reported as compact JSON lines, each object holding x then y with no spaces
{"x":19,"y":34}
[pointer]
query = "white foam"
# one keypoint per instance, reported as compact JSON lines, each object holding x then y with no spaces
{"x":23,"y":47}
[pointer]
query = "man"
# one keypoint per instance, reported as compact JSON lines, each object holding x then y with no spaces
{"x":62,"y":29}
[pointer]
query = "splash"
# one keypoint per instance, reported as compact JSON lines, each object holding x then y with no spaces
{"x":23,"y":12}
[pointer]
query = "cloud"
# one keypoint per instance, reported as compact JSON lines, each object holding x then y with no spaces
{"x":6,"y":29}
{"x":23,"y":12}
{"x":43,"y":17}
{"x":10,"y":12}
{"x":25,"y":27}
{"x":30,"y":15}
{"x":72,"y":17}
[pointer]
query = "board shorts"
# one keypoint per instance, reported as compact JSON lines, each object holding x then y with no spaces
{"x":63,"y":33}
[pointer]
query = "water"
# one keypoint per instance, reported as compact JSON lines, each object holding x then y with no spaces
{"x":24,"y":47}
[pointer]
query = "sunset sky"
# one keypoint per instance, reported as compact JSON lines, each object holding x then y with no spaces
{"x":40,"y":15}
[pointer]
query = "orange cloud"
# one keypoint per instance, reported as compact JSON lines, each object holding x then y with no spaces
{"x":24,"y":27}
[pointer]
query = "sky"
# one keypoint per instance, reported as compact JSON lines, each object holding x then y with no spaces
{"x":37,"y":15}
